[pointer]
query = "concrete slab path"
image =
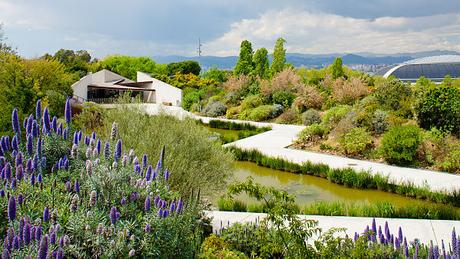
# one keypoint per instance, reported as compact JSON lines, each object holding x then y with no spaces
{"x":423,"y":229}
{"x":275,"y":143}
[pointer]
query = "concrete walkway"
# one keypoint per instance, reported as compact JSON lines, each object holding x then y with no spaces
{"x":423,"y":229}
{"x":274,"y":143}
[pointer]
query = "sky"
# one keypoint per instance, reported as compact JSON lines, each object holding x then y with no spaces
{"x":173,"y":27}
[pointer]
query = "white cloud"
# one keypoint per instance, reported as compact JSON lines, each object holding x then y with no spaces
{"x":309,"y":32}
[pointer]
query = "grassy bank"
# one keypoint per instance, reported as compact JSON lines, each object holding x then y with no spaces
{"x":243,"y":130}
{"x":348,"y":177}
{"x":380,"y":209}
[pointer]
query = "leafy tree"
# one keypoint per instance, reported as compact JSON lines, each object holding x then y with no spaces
{"x":392,"y":93}
{"x":76,"y":62}
{"x":279,"y":56}
{"x":244,"y":66}
{"x":261,"y":64}
{"x":440,"y":107}
{"x":216,"y":74}
{"x":337,"y":68}
{"x":127,"y":66}
{"x":184,"y":67}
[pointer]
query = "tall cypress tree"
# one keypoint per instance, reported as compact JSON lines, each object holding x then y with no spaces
{"x":261,"y":64}
{"x":279,"y":56}
{"x":337,"y":68}
{"x":244,"y":66}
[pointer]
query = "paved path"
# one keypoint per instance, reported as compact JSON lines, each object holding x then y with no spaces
{"x":423,"y":229}
{"x":274,"y":143}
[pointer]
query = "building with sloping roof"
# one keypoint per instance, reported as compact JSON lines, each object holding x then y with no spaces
{"x":434,"y":68}
{"x":106,"y":86}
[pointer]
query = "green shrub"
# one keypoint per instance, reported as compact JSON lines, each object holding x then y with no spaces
{"x":251,"y":102}
{"x":91,"y":117}
{"x":215,"y":109}
{"x":195,"y":161}
{"x":313,"y":132}
{"x":451,"y":162}
{"x":440,"y":107}
{"x":284,"y":98}
{"x":335,"y":114}
{"x":232,"y":113}
{"x":399,"y":145}
{"x":194,"y":96}
{"x":288,"y":117}
{"x":356,"y":141}
{"x":392,"y":93}
{"x":380,"y":121}
{"x":311,"y":117}
{"x":262,"y":113}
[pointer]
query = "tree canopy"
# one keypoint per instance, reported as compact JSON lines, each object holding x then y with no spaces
{"x":337,"y":68}
{"x":279,"y":56}
{"x":261,"y":63}
{"x":244,"y":66}
{"x":184,"y":67}
{"x":127,"y":66}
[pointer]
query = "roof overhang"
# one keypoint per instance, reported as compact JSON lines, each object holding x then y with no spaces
{"x":120,"y":87}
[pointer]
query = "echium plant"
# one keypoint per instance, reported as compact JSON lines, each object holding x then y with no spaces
{"x":71,"y":197}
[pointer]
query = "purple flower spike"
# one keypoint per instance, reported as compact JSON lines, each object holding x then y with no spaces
{"x":77,"y":186}
{"x":454,"y":241}
{"x":147,"y":228}
{"x":38,"y":110}
{"x":38,"y":233}
{"x":43,"y":250}
{"x":160,"y":213}
{"x":68,"y":111}
{"x":107,"y":150}
{"x":19,"y":172}
{"x":53,"y":237}
{"x":15,"y":121}
{"x":30,"y":147}
{"x":118,"y":150}
{"x":12,"y":208}
{"x":165,"y":213}
{"x":166,"y":174}
{"x":39,"y":147}
{"x":147,"y":204}
{"x":54,"y":124}
{"x":46,"y":214}
{"x":123,"y":201}
{"x":27,"y":231}
{"x":40,"y":178}
{"x":60,"y":254}
{"x":180,"y":206}
{"x":144,"y":161}
{"x":148,"y":174}
{"x":15,"y":143}
{"x":8,"y":171}
{"x":16,"y":242}
{"x":113,"y":215}
{"x":20,"y":199}
{"x":387,"y":231}
{"x":32,"y":179}
{"x":46,"y":120}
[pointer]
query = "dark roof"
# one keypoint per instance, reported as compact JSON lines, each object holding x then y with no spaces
{"x":435,"y":71}
{"x":120,"y":87}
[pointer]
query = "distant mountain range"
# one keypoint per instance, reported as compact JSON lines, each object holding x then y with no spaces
{"x":366,"y":61}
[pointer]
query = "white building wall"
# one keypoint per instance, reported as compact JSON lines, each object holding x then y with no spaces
{"x":164,"y":93}
{"x":80,"y":88}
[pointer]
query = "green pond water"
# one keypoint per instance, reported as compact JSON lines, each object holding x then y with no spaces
{"x":309,"y":189}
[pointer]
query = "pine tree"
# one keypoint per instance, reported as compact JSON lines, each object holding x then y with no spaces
{"x":337,"y":69}
{"x":244,"y":66}
{"x":261,"y":64}
{"x":279,"y":56}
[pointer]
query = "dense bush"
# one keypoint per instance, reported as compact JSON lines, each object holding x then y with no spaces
{"x":90,"y":118}
{"x":314,"y":132}
{"x":283,"y":97}
{"x":356,"y":141}
{"x":399,"y":145}
{"x":440,"y":107}
{"x":348,"y":91}
{"x":215,"y":109}
{"x":288,"y":117}
{"x":308,"y":98}
{"x":380,"y":121}
{"x":251,"y":102}
{"x":190,"y":97}
{"x":198,"y":162}
{"x":392,"y":93}
{"x":335,"y":114}
{"x":261,"y":113}
{"x":310,"y":117}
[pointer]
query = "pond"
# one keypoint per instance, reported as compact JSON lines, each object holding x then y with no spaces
{"x":310,"y":189}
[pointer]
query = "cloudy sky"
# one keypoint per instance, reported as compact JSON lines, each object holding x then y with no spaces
{"x":172,"y":27}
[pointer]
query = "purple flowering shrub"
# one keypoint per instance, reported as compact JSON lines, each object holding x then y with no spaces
{"x":66,"y":194}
